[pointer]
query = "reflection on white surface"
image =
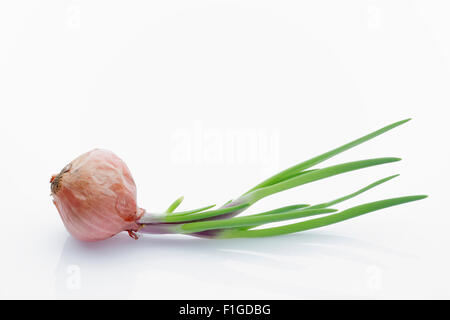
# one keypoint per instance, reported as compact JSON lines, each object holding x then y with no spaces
{"x":155,"y":267}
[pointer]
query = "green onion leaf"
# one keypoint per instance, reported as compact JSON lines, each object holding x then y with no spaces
{"x":325,"y":156}
{"x":320,"y":222}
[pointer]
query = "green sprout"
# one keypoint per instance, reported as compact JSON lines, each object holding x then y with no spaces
{"x":223,"y":223}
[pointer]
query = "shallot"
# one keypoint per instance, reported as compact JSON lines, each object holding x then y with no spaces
{"x":95,"y":195}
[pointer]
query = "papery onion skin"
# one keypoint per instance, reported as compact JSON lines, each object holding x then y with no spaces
{"x":95,"y":196}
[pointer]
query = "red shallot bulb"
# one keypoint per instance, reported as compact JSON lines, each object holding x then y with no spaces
{"x":95,"y":195}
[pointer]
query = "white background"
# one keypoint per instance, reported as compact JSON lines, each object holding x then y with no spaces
{"x":165,"y":84}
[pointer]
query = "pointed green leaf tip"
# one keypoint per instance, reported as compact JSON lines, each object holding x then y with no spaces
{"x":320,"y":222}
{"x":298,"y":168}
{"x":175,"y":205}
